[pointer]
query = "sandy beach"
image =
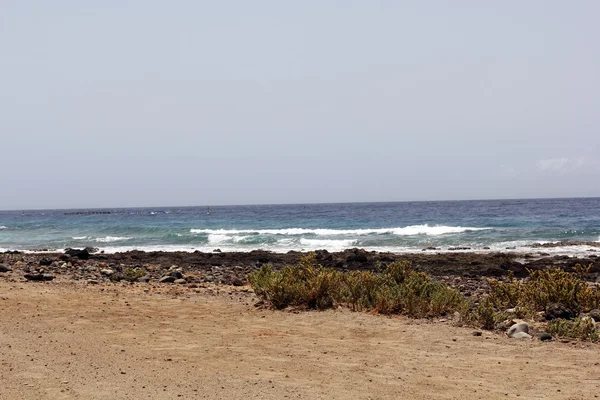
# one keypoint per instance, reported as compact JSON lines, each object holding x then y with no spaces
{"x":83,"y":335}
{"x":81,"y":341}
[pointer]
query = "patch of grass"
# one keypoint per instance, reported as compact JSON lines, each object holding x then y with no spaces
{"x":579,"y":328}
{"x":545,"y":287}
{"x":398,"y":289}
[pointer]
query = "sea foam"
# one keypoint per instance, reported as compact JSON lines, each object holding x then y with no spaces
{"x":110,"y":239}
{"x":400,"y":231}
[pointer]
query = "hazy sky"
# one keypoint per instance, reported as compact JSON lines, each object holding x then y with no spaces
{"x":155,"y":103}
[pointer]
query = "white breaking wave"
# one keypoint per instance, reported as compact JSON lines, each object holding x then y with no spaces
{"x":109,"y":239}
{"x":82,"y":237}
{"x":3,"y":227}
{"x":218,"y":238}
{"x":328,"y":244}
{"x":402,"y":231}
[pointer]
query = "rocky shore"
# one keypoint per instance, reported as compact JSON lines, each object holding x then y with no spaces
{"x":466,"y":271}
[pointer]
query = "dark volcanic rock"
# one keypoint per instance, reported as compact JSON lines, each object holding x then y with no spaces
{"x":81,"y":254}
{"x":543,"y":336}
{"x":46,"y":261}
{"x":38,"y":277}
{"x":4,"y":268}
{"x":557,"y":310}
{"x":167,"y":279}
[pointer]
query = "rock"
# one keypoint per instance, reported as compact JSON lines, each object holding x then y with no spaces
{"x":167,"y":279}
{"x":107,"y":272}
{"x":476,"y":333}
{"x":81,"y":254}
{"x":237,"y":282}
{"x":91,"y":250}
{"x":176,"y":274}
{"x":521,"y":335}
{"x":216,"y":250}
{"x":92,"y":282}
{"x":144,"y":279}
{"x":4,"y":268}
{"x":38,"y":277}
{"x":46,"y":261}
{"x":557,"y":310}
{"x":521,"y":327}
{"x":595,"y":314}
{"x":543,"y":336}
{"x":180,"y":281}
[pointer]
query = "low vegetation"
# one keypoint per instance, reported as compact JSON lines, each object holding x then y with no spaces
{"x":396,"y":289}
{"x":399,"y":289}
{"x":543,"y":289}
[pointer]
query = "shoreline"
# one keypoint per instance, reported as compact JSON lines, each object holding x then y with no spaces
{"x":466,"y":271}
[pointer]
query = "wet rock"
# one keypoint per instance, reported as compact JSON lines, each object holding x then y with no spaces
{"x":91,"y":250}
{"x":557,"y":310}
{"x":167,"y":279}
{"x":543,"y":336}
{"x":521,"y":327}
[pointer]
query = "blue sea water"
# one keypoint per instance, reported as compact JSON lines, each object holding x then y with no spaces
{"x":503,"y":225}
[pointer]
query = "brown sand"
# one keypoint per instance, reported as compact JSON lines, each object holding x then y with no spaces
{"x":70,"y":341}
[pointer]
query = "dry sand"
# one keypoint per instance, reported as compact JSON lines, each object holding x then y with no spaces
{"x":72,"y":341}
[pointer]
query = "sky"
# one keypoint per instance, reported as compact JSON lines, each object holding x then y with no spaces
{"x":153,"y":103}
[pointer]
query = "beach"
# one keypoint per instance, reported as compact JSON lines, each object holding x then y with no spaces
{"x":86,"y":334}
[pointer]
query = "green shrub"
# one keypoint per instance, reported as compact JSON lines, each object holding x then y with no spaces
{"x":397,"y":289}
{"x":133,"y":274}
{"x":579,"y":328}
{"x":545,"y":287}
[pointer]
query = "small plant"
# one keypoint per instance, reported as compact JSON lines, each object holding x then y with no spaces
{"x":397,"y":289}
{"x":133,"y":274}
{"x":545,"y":287}
{"x":579,"y":328}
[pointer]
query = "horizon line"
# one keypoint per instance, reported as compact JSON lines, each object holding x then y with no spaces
{"x":297,"y":204}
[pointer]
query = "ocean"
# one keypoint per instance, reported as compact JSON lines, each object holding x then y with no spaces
{"x":490,"y":225}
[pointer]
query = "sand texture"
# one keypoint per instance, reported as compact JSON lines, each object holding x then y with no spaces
{"x":78,"y":341}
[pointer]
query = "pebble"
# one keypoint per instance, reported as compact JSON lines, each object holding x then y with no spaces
{"x":107,"y":272}
{"x":180,"y":281}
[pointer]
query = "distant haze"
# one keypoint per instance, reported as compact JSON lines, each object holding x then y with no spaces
{"x":155,"y":103}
